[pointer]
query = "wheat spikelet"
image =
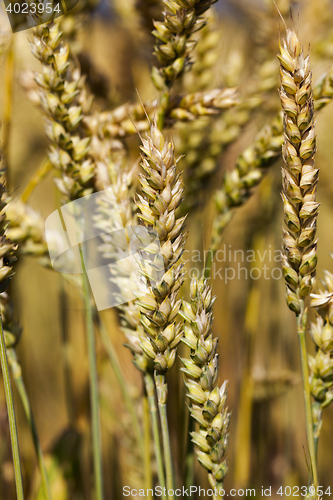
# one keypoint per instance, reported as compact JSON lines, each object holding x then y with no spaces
{"x":200,"y":376}
{"x":323,"y":90}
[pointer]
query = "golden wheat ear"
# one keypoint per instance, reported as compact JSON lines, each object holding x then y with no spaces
{"x":162,"y":192}
{"x":299,"y":186}
{"x":64,"y":100}
{"x":207,"y":399}
{"x":299,"y":174}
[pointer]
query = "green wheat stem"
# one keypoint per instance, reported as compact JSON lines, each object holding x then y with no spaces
{"x":315,"y":408}
{"x":209,"y":263}
{"x":190,"y":456}
{"x":11,"y":416}
{"x":114,"y":361}
{"x":316,"y":442}
{"x":64,"y":6}
{"x":65,"y":344}
{"x":94,"y":399}
{"x":19,"y":382}
{"x":301,"y":331}
{"x":147,"y":457}
{"x":161,"y":400}
{"x":150,"y":389}
{"x":162,"y":108}
{"x":167,"y":448}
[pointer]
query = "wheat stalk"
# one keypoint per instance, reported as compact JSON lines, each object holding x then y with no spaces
{"x":10,"y":331}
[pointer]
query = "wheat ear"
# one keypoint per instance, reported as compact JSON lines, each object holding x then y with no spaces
{"x":299,"y":185}
{"x":64,"y":101}
{"x":162,"y":194}
{"x":207,"y":399}
{"x":252,"y":165}
{"x":181,"y":18}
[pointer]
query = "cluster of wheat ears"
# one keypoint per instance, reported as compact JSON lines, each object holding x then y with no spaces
{"x":183,"y":132}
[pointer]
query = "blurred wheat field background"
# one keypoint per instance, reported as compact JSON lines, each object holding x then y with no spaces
{"x":111,"y":42}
